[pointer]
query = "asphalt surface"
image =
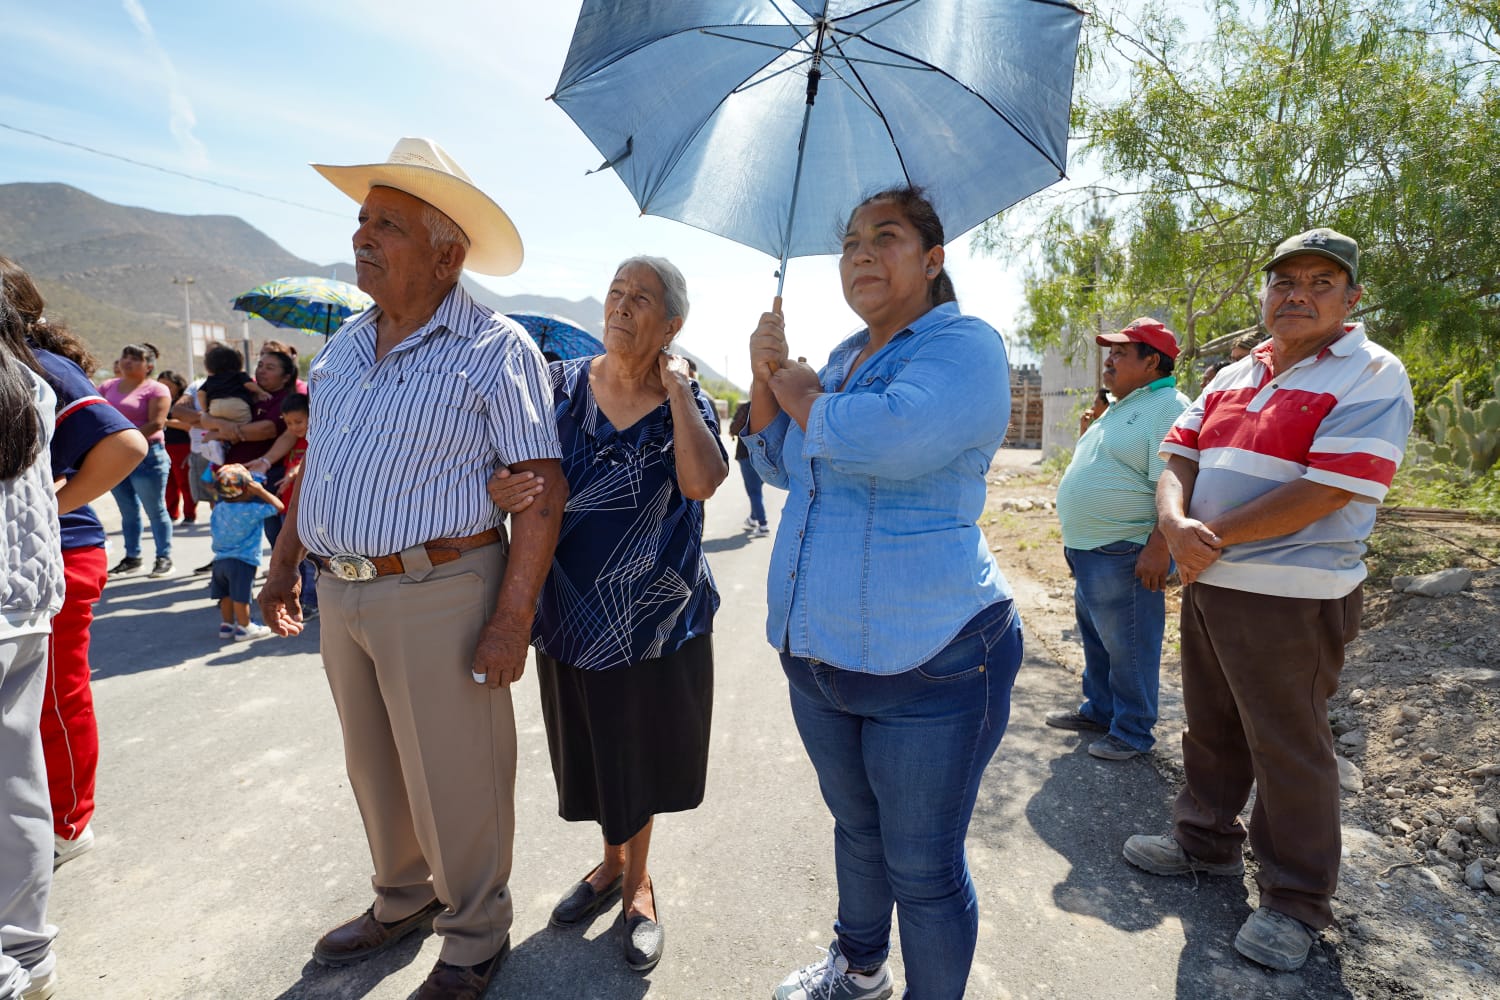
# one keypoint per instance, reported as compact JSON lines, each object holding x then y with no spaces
{"x":228,"y":840}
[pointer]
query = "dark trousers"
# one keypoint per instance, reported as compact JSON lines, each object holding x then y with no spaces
{"x":1257,"y":673}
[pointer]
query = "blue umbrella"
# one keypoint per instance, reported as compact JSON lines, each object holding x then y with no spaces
{"x":555,"y":335}
{"x":765,"y":120}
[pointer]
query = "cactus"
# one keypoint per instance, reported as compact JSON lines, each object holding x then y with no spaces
{"x":1462,"y":436}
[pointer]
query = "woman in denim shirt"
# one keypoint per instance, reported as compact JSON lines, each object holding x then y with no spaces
{"x":896,"y":629}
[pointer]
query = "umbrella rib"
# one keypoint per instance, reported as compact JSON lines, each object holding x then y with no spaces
{"x":756,"y":82}
{"x":873,"y":105}
{"x":998,"y":113}
{"x":900,"y":5}
{"x":748,"y":41}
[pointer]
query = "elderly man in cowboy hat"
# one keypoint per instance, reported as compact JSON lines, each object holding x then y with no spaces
{"x":1107,"y":504}
{"x":1272,"y":479}
{"x":426,"y":611}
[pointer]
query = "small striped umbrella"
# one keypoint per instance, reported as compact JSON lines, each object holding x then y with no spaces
{"x":316,"y":305}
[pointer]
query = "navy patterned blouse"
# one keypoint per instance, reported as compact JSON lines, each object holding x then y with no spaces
{"x":628,"y":581}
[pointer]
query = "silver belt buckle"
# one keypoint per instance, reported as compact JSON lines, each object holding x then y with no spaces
{"x":355,"y":569}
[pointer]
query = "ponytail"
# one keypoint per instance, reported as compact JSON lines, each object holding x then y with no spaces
{"x":21,"y":435}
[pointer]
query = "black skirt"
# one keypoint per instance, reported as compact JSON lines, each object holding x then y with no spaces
{"x":630,"y":742}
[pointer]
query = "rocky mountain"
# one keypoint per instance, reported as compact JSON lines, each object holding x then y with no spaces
{"x":107,"y":270}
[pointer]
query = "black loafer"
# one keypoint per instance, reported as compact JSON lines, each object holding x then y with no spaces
{"x":583,"y":902}
{"x":644,"y":941}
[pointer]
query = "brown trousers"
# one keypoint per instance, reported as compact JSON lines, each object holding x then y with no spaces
{"x":431,"y":754}
{"x":1257,"y":673}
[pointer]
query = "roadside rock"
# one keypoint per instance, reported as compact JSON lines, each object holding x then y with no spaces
{"x":1439,"y":584}
{"x":1451,"y":844}
{"x":1354,"y":738}
{"x":1474,"y":876}
{"x":1350,"y":780}
{"x":1488,"y":824}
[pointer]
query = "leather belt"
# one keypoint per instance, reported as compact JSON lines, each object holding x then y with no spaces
{"x":356,"y":569}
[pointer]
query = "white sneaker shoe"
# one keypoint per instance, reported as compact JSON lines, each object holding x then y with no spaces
{"x":830,"y":979}
{"x":244,"y":633}
{"x":226,"y":631}
{"x":760,"y":531}
{"x":64,"y":850}
{"x":42,"y":987}
{"x":751,"y":523}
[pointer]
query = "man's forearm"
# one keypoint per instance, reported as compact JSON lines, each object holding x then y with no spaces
{"x":1174,"y":490}
{"x":1284,"y":510}
{"x":533,"y":539}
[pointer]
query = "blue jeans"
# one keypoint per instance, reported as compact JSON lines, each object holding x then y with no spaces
{"x":1121,"y":623}
{"x":753,"y":484}
{"x":899,"y":758}
{"x":146,"y":486}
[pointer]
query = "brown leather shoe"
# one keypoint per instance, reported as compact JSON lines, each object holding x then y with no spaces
{"x":462,"y":982}
{"x":364,"y":936}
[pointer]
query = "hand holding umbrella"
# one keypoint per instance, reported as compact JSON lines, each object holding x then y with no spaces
{"x":768,"y":349}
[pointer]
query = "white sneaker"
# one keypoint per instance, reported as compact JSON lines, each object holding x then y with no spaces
{"x":226,"y":631}
{"x":760,"y":531}
{"x":831,"y":979}
{"x":64,"y":850}
{"x":751,"y":523}
{"x":42,"y":987}
{"x":244,"y":633}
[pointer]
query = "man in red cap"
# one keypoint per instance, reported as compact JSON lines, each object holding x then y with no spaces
{"x":1255,"y":504}
{"x":1119,"y":559}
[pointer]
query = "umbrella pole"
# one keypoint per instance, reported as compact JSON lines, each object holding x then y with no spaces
{"x":814,"y":74}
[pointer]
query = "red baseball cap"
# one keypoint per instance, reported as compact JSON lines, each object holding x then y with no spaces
{"x":1144,"y":331}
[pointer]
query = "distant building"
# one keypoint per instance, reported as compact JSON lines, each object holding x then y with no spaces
{"x":1026,"y":416}
{"x":1067,"y":387}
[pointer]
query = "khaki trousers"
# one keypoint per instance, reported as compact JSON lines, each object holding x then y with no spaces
{"x":431,"y":755}
{"x":1257,"y":673}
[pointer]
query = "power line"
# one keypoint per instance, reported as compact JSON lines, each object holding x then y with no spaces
{"x":167,"y":170}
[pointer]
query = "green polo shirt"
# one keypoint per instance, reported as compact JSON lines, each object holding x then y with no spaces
{"x":1108,"y":493}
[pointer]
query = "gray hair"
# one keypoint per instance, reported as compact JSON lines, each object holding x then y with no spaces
{"x":442,"y":230}
{"x":672,"y":281}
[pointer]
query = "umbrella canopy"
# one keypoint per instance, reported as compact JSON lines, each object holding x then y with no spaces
{"x":555,"y":335}
{"x":317,"y":305}
{"x":766,"y":121}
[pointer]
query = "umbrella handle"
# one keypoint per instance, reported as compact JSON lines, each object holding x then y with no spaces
{"x":775,"y":308}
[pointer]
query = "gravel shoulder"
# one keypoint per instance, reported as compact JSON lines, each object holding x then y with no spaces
{"x":1418,"y":905}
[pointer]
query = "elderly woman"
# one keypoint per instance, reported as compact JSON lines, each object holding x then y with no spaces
{"x":896,"y":629}
{"x":624,"y":653}
{"x":144,"y":402}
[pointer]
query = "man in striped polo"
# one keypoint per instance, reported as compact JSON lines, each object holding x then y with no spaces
{"x":1119,"y":559}
{"x":426,"y":612}
{"x":1272,"y":479}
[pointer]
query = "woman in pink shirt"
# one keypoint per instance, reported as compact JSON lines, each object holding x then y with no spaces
{"x":144,"y":402}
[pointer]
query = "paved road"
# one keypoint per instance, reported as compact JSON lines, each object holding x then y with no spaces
{"x":228,"y":839}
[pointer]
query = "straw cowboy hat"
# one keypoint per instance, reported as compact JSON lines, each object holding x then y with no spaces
{"x":424,"y":170}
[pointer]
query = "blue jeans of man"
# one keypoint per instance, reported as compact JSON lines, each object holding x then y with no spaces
{"x":899,"y":758}
{"x":753,"y":484}
{"x":146,"y":487}
{"x":1121,"y":624}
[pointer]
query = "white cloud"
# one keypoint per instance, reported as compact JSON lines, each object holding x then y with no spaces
{"x":181,"y":119}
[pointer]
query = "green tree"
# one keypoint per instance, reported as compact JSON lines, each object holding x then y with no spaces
{"x":1382,"y":122}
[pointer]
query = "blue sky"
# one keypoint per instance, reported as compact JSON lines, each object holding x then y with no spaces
{"x":247,"y":94}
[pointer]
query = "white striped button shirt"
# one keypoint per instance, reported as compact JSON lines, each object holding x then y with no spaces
{"x":399,"y":450}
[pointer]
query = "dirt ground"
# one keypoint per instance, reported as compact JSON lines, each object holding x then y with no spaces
{"x":1418,"y":904}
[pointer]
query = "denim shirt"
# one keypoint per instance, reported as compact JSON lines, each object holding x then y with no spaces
{"x":879,"y":560}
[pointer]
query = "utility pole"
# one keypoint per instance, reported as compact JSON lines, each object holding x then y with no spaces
{"x":187,"y":322}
